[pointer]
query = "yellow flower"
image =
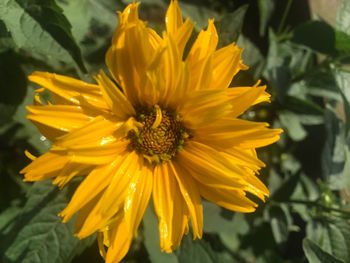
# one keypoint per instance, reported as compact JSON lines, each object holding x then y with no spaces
{"x":164,"y":125}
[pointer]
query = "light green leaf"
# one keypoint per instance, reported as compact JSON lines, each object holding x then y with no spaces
{"x":92,"y":22}
{"x":266,"y":8}
{"x":198,"y":14}
{"x":343,"y":17}
{"x":343,"y":81}
{"x":315,"y":254}
{"x":38,"y":235}
{"x":29,"y":131}
{"x":216,"y":223}
{"x":291,"y":122}
{"x":41,"y":30}
{"x":251,"y":56}
{"x":151,"y":233}
{"x":230,"y":25}
{"x":196,"y":251}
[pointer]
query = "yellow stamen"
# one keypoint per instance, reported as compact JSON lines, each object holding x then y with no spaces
{"x":29,"y":155}
{"x":158,"y":119}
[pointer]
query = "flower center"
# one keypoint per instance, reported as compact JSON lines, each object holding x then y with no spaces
{"x":162,"y":135}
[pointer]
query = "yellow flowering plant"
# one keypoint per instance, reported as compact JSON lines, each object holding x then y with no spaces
{"x":164,"y":127}
{"x":141,"y":135}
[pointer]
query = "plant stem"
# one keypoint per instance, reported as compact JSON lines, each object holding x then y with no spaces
{"x":284,"y":17}
{"x":312,"y":203}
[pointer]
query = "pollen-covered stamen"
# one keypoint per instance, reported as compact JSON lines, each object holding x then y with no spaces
{"x":161,"y":136}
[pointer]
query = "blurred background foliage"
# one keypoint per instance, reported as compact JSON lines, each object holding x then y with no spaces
{"x":300,"y":49}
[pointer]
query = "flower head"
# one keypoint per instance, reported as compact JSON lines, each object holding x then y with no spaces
{"x":163,"y":126}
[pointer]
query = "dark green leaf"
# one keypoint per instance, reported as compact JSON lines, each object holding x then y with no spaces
{"x":6,"y":42}
{"x":38,"y":235}
{"x":13,"y":86}
{"x":302,"y":106}
{"x":230,"y":25}
{"x":40,"y":29}
{"x":286,"y":189}
{"x":315,"y":254}
{"x":316,"y":35}
{"x":279,"y":219}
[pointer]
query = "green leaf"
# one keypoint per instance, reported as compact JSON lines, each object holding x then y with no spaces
{"x":40,"y":29}
{"x":342,"y":42}
{"x":29,"y":131}
{"x":317,"y":35}
{"x":13,"y":86}
{"x":338,"y":243}
{"x":315,"y":254}
{"x":6,"y":42}
{"x":198,"y":13}
{"x":151,"y":234}
{"x":230,"y":25}
{"x":38,"y":235}
{"x":343,"y":81}
{"x":343,"y":18}
{"x":196,"y":251}
{"x":92,"y":24}
{"x":251,"y":56}
{"x":216,"y":223}
{"x":286,"y":189}
{"x":302,"y":106}
{"x":280,"y":221}
{"x":332,"y":236}
{"x":266,"y":9}
{"x":291,"y":123}
{"x":7,"y":219}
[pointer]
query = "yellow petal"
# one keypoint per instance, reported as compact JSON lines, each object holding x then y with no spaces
{"x":180,"y":31}
{"x":243,"y":98}
{"x":45,"y":166}
{"x":173,"y":17}
{"x":210,"y":167}
{"x":199,"y":58}
{"x":70,"y":171}
{"x":226,"y":64}
{"x":138,"y":195}
{"x":244,"y":157}
{"x":166,"y":75}
{"x":131,"y":52}
{"x":64,"y":118}
{"x":170,"y":208}
{"x":191,"y":196}
{"x":120,"y":239}
{"x":71,"y":90}
{"x":98,"y":131}
{"x":202,"y":107}
{"x":93,"y":184}
{"x":115,"y":99}
{"x":235,"y":92}
{"x":226,"y":133}
{"x":113,"y":198}
{"x":230,"y":199}
{"x":204,"y":45}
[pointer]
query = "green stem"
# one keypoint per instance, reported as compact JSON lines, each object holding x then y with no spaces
{"x":311,"y":203}
{"x":284,"y":17}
